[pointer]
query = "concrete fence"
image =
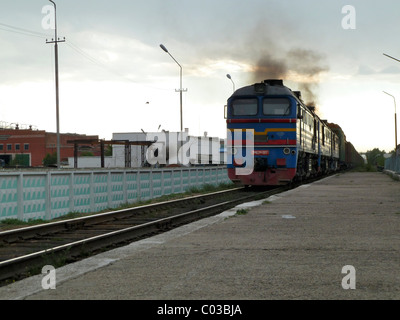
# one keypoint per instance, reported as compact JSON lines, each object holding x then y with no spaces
{"x":26,"y":195}
{"x":393,"y":164}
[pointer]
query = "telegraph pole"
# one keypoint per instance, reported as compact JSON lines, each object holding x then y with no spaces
{"x":56,"y":41}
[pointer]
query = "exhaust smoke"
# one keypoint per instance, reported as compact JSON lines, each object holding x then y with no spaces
{"x":301,"y":66}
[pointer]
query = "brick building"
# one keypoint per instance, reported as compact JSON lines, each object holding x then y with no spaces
{"x":28,"y":147}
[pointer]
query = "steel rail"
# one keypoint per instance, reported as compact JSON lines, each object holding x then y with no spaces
{"x":10,"y":236}
{"x":19,"y":266}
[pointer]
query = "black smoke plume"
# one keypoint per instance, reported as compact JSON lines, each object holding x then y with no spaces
{"x":298,"y":65}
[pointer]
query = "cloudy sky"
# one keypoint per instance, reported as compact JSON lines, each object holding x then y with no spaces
{"x":114,"y":77}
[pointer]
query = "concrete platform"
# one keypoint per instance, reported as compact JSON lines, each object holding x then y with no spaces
{"x":292,"y":246}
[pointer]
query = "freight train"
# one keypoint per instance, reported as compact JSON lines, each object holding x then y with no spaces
{"x":274,"y":138}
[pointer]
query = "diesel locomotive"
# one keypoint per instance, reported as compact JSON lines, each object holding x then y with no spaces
{"x":277,"y":138}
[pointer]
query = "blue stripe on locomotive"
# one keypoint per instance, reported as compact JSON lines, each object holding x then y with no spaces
{"x":277,"y":132}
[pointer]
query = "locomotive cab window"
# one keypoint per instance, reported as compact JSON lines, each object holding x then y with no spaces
{"x":245,"y":107}
{"x":276,"y":107}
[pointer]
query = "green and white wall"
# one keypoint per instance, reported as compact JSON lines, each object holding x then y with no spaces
{"x":26,"y":195}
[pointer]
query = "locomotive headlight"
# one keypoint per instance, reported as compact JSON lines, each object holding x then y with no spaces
{"x":286,"y":151}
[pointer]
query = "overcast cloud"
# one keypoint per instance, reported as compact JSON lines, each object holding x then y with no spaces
{"x":111,"y":64}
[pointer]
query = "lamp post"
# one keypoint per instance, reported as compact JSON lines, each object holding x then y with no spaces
{"x":395,"y":121}
{"x":56,"y":40}
{"x":180,"y":90}
{"x":230,"y":78}
{"x":391,"y":57}
{"x":395,"y":116}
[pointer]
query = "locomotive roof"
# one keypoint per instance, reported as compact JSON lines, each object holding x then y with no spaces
{"x":270,"y":87}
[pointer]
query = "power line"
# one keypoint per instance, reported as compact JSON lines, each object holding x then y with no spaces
{"x":84,"y":53}
{"x":23,"y":33}
{"x":73,"y":46}
{"x":26,"y":32}
{"x":101,"y":64}
{"x":95,"y":61}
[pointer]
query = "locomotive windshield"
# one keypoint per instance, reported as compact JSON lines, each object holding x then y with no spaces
{"x":276,"y":107}
{"x":245,"y":107}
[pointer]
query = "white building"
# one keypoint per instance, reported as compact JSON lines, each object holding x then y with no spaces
{"x":168,"y":149}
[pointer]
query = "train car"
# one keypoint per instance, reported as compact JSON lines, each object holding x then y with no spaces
{"x":279,"y":139}
{"x":348,"y":155}
{"x":342,"y":144}
{"x":353,"y":158}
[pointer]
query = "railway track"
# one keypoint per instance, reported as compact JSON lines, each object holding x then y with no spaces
{"x":24,"y":251}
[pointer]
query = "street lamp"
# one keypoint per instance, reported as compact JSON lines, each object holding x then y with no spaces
{"x":56,"y":41}
{"x":230,"y":78}
{"x":391,"y":57}
{"x":180,"y":90}
{"x":395,"y":121}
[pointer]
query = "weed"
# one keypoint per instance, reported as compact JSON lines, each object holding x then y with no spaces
{"x":70,"y":215}
{"x":55,"y":259}
{"x":12,"y":223}
{"x":241,"y":212}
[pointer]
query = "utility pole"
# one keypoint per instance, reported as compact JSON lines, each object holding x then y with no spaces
{"x":180,"y":90}
{"x":56,"y":41}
